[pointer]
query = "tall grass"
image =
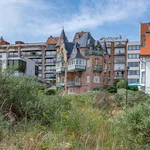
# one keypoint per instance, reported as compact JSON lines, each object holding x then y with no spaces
{"x":91,"y":121}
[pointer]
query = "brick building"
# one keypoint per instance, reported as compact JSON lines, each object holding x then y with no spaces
{"x":117,"y":49}
{"x":81,"y":65}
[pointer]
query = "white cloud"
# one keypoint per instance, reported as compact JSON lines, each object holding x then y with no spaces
{"x":37,"y":19}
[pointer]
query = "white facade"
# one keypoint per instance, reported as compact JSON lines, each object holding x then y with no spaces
{"x":29,"y":68}
{"x":133,"y":62}
{"x":145,"y":74}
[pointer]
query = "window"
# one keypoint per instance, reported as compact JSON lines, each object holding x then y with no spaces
{"x":133,"y":64}
{"x":119,"y":59}
{"x":88,"y":79}
{"x":96,"y":79}
{"x":134,"y":47}
{"x":49,"y":60}
{"x":133,"y":80}
{"x":72,"y":91}
{"x":88,"y":63}
{"x":119,"y":50}
{"x":77,"y":61}
{"x":133,"y":72}
{"x":80,"y":62}
{"x":36,"y":70}
{"x":77,"y":36}
{"x":40,"y":75}
{"x":40,"y":68}
{"x":133,"y":56}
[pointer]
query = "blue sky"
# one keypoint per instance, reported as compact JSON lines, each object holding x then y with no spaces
{"x":35,"y":21}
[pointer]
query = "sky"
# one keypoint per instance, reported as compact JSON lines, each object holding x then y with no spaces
{"x":36,"y":20}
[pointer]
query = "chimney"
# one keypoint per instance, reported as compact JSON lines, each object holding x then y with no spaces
{"x":19,"y":42}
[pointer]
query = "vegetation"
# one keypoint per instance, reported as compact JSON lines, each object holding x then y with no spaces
{"x":31,"y":119}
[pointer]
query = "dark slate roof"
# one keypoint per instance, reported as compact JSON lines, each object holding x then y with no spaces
{"x":85,"y":40}
{"x":62,"y":38}
{"x":69,"y":46}
{"x":76,"y":52}
{"x":97,"y":43}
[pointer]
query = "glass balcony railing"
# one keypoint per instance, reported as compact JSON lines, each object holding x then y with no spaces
{"x":73,"y":83}
{"x":98,"y":68}
{"x":76,"y":68}
{"x":60,"y":69}
{"x":94,"y":52}
{"x":60,"y":84}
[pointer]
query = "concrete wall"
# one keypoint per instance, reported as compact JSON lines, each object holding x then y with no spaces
{"x":30,"y":67}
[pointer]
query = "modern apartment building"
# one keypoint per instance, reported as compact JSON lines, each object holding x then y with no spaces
{"x":117,"y":49}
{"x":133,"y":62}
{"x":145,"y":64}
{"x":44,"y":54}
{"x":82,"y":65}
{"x":19,"y":65}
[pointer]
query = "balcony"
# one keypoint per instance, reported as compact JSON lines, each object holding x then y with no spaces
{"x":119,"y":77}
{"x":98,"y":68}
{"x":50,"y":77}
{"x":15,"y":55}
{"x":31,"y":49}
{"x":59,"y":59}
{"x":50,"y":63}
{"x":60,"y":84}
{"x":50,"y":55}
{"x":60,"y":69}
{"x":93,"y":52}
{"x":73,"y":83}
{"x":76,"y":68}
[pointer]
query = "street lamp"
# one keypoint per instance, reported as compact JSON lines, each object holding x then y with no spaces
{"x":127,"y":85}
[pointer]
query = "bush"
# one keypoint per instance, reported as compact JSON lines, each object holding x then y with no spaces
{"x":122,"y":84}
{"x":112,"y":89}
{"x":50,"y":92}
{"x":133,"y":88}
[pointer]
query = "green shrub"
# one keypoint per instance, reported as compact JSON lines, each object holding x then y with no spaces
{"x":50,"y":92}
{"x":112,"y":89}
{"x":121,"y":84}
{"x":133,"y":88}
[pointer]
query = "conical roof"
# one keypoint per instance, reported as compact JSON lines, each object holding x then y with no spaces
{"x":76,"y":52}
{"x":62,"y":38}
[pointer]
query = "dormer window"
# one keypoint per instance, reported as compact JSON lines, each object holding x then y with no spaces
{"x":77,"y":36}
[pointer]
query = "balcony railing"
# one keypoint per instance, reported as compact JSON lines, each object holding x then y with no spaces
{"x":50,"y":55}
{"x":119,"y":77}
{"x":13,"y":55}
{"x":94,"y":52}
{"x":50,"y":63}
{"x":51,"y":77}
{"x":60,"y":84}
{"x":76,"y":68}
{"x":59,"y":59}
{"x":120,"y":62}
{"x":120,"y":53}
{"x":73,"y":83}
{"x":97,"y":68}
{"x":60,"y":69}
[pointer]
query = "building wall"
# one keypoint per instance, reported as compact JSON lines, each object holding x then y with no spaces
{"x":133,"y":55}
{"x":30,"y":67}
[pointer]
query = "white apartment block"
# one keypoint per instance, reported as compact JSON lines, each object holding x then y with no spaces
{"x":19,"y":65}
{"x":133,"y":62}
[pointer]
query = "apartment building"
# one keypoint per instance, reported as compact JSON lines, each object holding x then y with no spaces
{"x":81,"y":65}
{"x":44,"y":54}
{"x":117,"y":50}
{"x":133,"y":62}
{"x":145,"y":64}
{"x":19,"y":65}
